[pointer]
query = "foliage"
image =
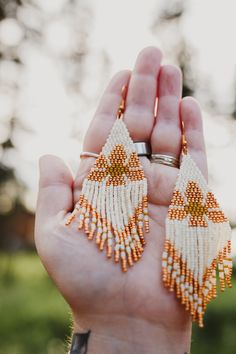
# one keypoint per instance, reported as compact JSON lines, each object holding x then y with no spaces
{"x":34,"y":317}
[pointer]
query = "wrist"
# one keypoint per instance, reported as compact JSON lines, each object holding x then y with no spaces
{"x":133,"y":335}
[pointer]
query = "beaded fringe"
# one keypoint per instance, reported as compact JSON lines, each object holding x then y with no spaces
{"x":197,"y":243}
{"x":113,"y":207}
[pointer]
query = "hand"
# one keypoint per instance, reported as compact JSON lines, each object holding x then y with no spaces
{"x":133,"y":311}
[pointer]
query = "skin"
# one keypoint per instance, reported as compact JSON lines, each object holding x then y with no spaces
{"x":131,"y":312}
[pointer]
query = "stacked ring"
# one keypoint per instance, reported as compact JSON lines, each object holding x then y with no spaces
{"x":144,"y":149}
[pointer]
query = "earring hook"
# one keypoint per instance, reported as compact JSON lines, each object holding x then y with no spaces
{"x":122,"y":106}
{"x":184,"y":141}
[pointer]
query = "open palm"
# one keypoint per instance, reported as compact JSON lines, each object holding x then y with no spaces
{"x":96,"y":289}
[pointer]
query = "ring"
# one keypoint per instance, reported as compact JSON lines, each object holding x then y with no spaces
{"x":165,"y":160}
{"x":88,"y":154}
{"x":142,"y":149}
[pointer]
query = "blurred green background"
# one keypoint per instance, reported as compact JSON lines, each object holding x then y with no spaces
{"x":36,"y":319}
{"x":55,"y":58}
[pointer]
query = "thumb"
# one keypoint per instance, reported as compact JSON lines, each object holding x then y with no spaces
{"x":55,"y":188}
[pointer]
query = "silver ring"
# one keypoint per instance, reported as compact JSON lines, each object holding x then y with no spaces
{"x":165,"y":160}
{"x":142,"y":149}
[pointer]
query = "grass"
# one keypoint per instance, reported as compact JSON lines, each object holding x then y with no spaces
{"x":34,"y":318}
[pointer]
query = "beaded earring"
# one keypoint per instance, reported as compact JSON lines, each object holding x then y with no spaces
{"x":113,"y":206}
{"x":197,"y":241}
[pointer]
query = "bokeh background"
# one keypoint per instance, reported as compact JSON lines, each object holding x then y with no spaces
{"x":56,"y":56}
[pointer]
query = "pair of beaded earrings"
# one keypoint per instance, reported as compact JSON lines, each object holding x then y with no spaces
{"x":113,"y":209}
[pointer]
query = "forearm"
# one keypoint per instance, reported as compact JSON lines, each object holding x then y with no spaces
{"x":128,"y":335}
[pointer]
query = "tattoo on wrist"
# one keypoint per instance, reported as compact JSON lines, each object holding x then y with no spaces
{"x":79,"y":343}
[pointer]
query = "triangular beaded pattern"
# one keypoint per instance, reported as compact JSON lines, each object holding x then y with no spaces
{"x":197,"y":241}
{"x":113,"y":204}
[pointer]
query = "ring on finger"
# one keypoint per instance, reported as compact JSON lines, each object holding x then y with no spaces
{"x":163,"y":159}
{"x":88,"y":154}
{"x":142,"y":149}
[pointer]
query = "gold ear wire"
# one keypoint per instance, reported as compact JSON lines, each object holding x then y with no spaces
{"x":183,"y":140}
{"x":121,"y":109}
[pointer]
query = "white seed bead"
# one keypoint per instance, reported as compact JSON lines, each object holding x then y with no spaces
{"x":117,"y":247}
{"x":104,"y":236}
{"x":199,"y":309}
{"x":122,"y":254}
{"x":164,"y":264}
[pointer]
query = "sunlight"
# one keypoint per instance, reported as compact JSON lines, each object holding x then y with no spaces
{"x":59,"y":115}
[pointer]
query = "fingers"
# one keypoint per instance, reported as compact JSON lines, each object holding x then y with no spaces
{"x":166,"y":135}
{"x":193,"y":130}
{"x":139,"y":114}
{"x":55,"y":188}
{"x":106,"y":113}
